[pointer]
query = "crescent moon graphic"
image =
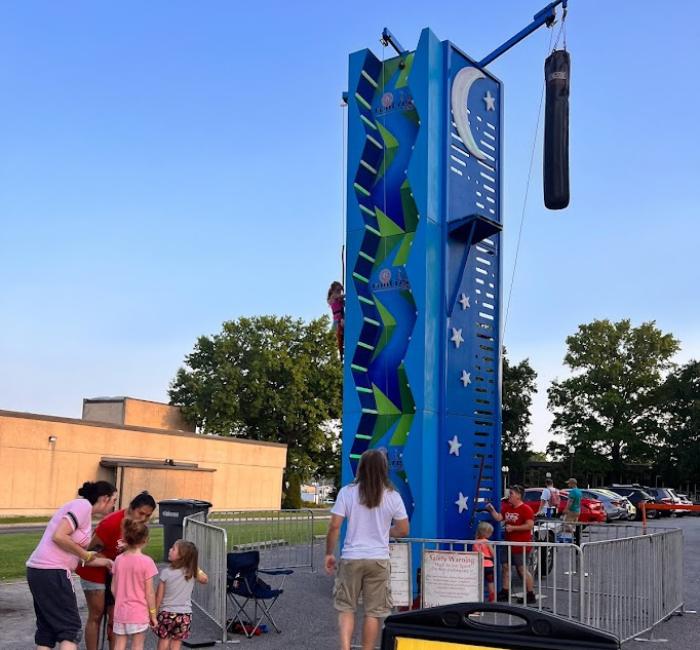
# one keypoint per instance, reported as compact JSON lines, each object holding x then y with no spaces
{"x":460,"y":92}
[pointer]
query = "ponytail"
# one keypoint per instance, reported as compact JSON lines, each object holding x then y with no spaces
{"x":92,"y":491}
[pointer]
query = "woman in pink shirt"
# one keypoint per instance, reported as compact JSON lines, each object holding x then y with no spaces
{"x":132,"y":586}
{"x":49,"y":567}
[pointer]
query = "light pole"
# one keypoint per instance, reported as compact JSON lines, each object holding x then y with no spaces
{"x":572,"y":451}
{"x":504,"y":470}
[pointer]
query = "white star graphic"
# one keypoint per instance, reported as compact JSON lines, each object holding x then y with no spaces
{"x":455,"y":444}
{"x":466,"y":378}
{"x":464,"y":301}
{"x":490,"y":101}
{"x":457,"y":337}
{"x":461,"y":503}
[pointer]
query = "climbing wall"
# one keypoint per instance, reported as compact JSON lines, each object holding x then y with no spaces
{"x":422,"y":363}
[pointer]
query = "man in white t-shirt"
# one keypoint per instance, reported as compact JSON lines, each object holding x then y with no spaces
{"x":549,"y":501}
{"x":370,"y":505}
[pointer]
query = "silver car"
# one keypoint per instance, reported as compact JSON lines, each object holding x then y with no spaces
{"x":613,"y":504}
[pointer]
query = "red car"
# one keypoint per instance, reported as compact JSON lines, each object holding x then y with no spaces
{"x":591,"y":509}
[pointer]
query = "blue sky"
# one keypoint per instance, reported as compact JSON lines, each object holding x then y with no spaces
{"x":166,"y":166}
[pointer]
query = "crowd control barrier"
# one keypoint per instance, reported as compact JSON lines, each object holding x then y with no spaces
{"x":464,"y":626}
{"x":210,"y":541}
{"x":284,"y":538}
{"x":621,"y":585}
{"x":633,"y":584}
{"x":553,"y":567}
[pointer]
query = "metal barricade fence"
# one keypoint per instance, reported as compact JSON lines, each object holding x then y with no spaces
{"x":210,"y":541}
{"x":633,"y":584}
{"x":554,"y":568}
{"x":594,"y":531}
{"x":284,"y":538}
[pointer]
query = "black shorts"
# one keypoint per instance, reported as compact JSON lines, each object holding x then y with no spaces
{"x":55,"y":605}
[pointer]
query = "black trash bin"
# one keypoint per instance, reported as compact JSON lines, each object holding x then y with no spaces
{"x":172,"y":513}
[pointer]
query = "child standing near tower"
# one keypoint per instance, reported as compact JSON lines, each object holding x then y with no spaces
{"x":483,"y":534}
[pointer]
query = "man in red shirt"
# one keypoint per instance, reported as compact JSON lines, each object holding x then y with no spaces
{"x":519,"y":521}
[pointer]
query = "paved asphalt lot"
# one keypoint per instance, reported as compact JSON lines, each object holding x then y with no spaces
{"x":308,"y":621}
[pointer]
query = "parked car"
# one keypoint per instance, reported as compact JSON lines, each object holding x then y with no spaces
{"x":677,"y":499}
{"x":662,"y":495}
{"x":631,"y":509}
{"x":637,"y":496}
{"x":686,"y":502}
{"x":591,"y":509}
{"x":613,"y":503}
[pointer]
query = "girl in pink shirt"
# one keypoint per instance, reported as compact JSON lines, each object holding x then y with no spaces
{"x":132,"y":586}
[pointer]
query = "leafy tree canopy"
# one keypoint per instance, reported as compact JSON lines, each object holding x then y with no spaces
{"x":267,"y":378}
{"x":519,"y":384}
{"x":606,"y":409}
{"x":678,"y":441}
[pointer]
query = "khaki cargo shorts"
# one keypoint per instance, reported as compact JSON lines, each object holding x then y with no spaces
{"x":371,"y":578}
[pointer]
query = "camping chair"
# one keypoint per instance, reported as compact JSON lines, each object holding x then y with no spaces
{"x":244,"y":585}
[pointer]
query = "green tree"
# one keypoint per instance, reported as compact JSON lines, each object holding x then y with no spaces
{"x":606,"y":409}
{"x":519,"y":384}
{"x":678,"y":441}
{"x":268,"y":378}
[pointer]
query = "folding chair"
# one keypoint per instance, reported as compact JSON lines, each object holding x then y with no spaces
{"x":244,"y":585}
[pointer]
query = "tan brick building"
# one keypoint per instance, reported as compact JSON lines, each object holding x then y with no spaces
{"x":138,"y":445}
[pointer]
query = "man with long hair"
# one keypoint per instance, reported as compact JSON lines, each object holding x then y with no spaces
{"x":374,"y":511}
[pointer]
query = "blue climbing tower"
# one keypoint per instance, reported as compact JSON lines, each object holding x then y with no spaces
{"x":422,"y":360}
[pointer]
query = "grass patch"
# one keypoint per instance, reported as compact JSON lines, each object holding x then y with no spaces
{"x":15,"y":548}
{"x":292,"y":532}
{"x":24,"y":520}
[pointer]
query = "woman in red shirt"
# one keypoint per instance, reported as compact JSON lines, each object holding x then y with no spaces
{"x":95,"y":581}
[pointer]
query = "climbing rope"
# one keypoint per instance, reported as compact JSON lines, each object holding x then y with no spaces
{"x":527,"y":188}
{"x":343,"y":161}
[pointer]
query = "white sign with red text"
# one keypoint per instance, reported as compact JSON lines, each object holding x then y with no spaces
{"x":451,"y":577}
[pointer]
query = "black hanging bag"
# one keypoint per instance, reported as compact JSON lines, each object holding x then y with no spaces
{"x":557,"y":70}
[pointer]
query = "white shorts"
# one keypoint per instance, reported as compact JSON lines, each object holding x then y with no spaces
{"x":129,"y":628}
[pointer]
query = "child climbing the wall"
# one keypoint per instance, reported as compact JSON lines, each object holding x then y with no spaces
{"x":483,"y":534}
{"x":336,"y":301}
